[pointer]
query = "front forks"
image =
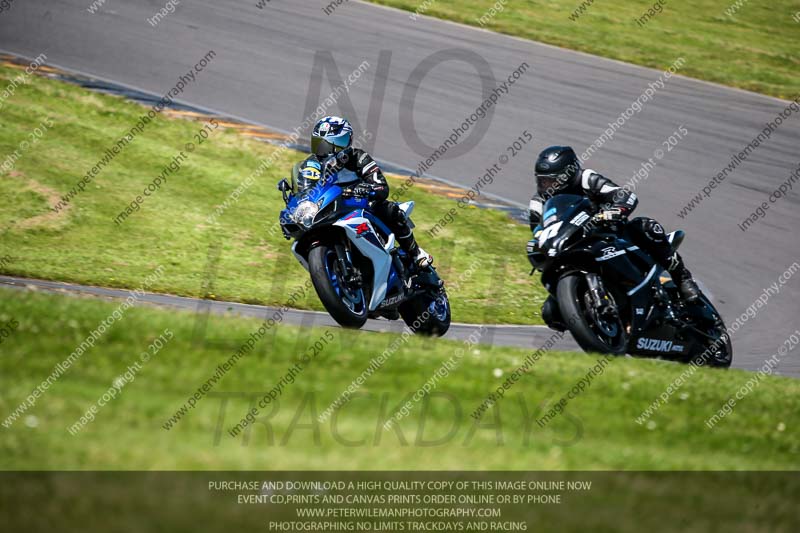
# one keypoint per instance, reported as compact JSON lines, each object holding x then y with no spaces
{"x":600,"y":300}
{"x":352,"y":276}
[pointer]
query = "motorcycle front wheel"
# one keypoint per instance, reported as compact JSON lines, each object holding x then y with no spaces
{"x":591,"y":331}
{"x":346,"y":303}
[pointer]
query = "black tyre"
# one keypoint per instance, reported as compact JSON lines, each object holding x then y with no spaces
{"x":718,"y":352}
{"x":347,"y":305}
{"x":428,"y":314}
{"x":591,"y":332}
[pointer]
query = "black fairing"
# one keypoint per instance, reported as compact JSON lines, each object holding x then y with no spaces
{"x":570,"y":242}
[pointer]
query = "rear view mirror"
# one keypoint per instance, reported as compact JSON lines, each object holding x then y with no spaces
{"x":284,"y":187}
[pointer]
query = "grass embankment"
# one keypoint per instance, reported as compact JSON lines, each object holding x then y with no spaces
{"x":83,"y":244}
{"x":596,"y":431}
{"x":754,"y":48}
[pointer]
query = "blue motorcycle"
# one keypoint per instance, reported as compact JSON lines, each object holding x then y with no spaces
{"x":356,"y":267}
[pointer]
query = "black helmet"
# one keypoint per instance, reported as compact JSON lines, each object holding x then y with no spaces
{"x":331,"y":135}
{"x":556,"y":169}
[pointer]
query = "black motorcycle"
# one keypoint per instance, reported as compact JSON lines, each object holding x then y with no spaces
{"x":613,"y":297}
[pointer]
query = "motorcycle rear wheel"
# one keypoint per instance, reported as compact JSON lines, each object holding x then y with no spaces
{"x":427,"y":314}
{"x":719,"y":352}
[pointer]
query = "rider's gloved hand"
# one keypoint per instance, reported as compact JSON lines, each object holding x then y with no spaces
{"x":613,"y":214}
{"x":364,"y":191}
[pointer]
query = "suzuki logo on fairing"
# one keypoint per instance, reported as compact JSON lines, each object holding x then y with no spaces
{"x":393,"y":300}
{"x":362,"y":228}
{"x":655,"y":345}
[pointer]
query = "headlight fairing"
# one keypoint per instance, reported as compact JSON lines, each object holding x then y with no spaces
{"x":305,"y":212}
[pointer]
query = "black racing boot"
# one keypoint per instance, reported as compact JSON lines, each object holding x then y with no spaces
{"x":687,"y":287}
{"x":420,"y":257}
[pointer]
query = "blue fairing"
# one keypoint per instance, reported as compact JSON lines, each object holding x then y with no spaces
{"x":328,"y":191}
{"x":393,"y":281}
{"x":358,"y":203}
{"x":375,"y":220}
{"x":323,"y":194}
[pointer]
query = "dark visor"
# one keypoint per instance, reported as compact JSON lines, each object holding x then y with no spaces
{"x":322,"y":148}
{"x":547,"y":185}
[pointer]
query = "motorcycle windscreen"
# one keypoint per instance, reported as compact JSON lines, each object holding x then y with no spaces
{"x":305,"y":178}
{"x":562,"y":206}
{"x":333,"y":171}
{"x":562,"y":217}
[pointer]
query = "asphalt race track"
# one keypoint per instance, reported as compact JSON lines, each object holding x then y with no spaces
{"x":263,"y":69}
{"x":533,"y":337}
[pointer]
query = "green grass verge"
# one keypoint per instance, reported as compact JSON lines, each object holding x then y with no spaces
{"x":596,"y":431}
{"x":757,"y":48}
{"x":84,"y":245}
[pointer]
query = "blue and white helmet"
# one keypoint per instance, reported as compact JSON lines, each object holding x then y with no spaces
{"x":331,"y":135}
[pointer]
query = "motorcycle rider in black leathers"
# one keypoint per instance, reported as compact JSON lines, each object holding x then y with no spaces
{"x":558,"y":171}
{"x":334,"y":136}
